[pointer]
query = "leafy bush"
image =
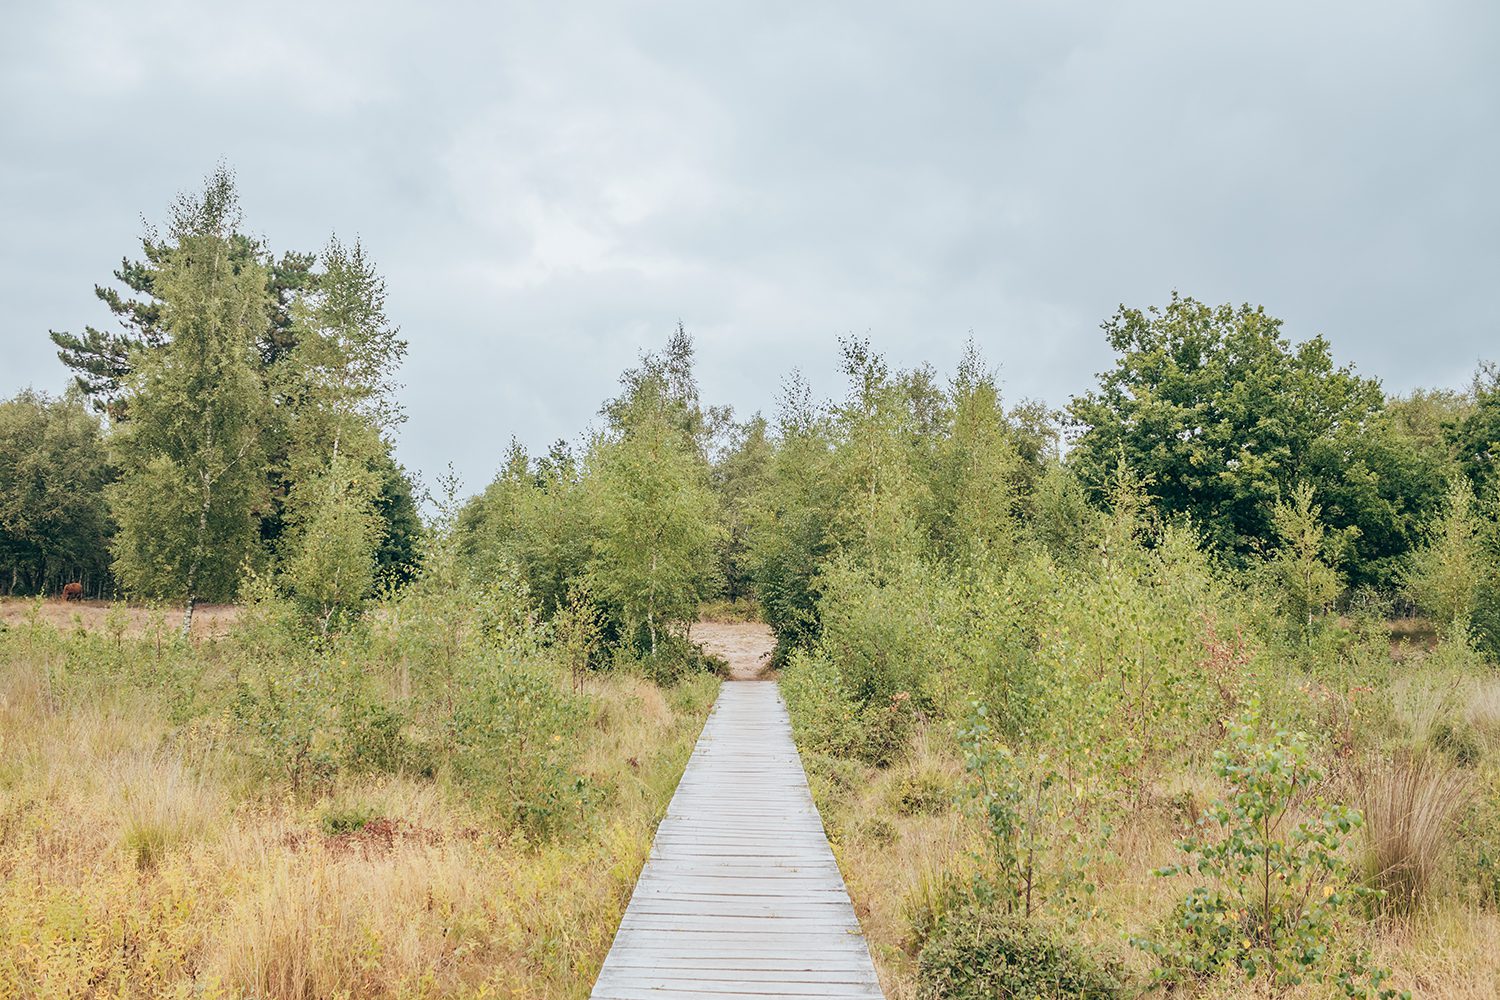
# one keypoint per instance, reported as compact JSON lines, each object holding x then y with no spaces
{"x":1277,"y":891}
{"x":1477,"y":836}
{"x":1020,"y":805}
{"x":978,"y":953}
{"x":346,"y":820}
{"x":827,"y":719}
{"x":514,"y":746}
{"x":922,"y":794}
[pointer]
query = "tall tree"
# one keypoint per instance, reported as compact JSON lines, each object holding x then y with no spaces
{"x":1223,"y":416}
{"x":979,"y":468}
{"x":336,"y":393}
{"x":792,"y":526}
{"x":103,"y":359}
{"x":54,"y":522}
{"x":1475,"y":436}
{"x":739,"y":475}
{"x":190,"y":454}
{"x":656,"y":530}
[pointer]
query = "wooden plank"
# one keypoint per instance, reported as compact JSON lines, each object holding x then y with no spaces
{"x":741,"y":897}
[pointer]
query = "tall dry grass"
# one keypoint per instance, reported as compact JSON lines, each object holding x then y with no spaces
{"x":140,"y":858}
{"x":1410,"y":806}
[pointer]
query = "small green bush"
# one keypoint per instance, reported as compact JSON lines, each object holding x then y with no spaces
{"x":1477,"y":842}
{"x":1278,"y":890}
{"x":515,"y":745}
{"x":979,"y":953}
{"x":922,"y":794}
{"x":347,"y":820}
{"x":1459,"y":740}
{"x":828,"y":719}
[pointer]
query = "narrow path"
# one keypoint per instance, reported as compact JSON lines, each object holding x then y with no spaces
{"x":741,"y":898}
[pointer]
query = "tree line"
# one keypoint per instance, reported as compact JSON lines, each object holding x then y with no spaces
{"x":237,"y":421}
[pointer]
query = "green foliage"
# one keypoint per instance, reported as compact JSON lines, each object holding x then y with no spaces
{"x":1302,"y":569}
{"x":1455,"y":571}
{"x":335,"y":822}
{"x":656,"y":531}
{"x":190,"y":455}
{"x":514,"y":748}
{"x":103,"y":360}
{"x":1475,"y":434}
{"x":978,"y":471}
{"x":827,"y":719}
{"x":1277,"y":887}
{"x":980,"y":953}
{"x":791,"y":529}
{"x":1222,"y":415}
{"x":738,"y":477}
{"x":922,"y":794}
{"x":1033,"y":854}
{"x":332,"y":568}
{"x":54,"y":523}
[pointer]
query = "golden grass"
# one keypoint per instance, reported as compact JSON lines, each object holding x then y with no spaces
{"x":895,"y":866}
{"x":1410,"y":808}
{"x":132,"y":868}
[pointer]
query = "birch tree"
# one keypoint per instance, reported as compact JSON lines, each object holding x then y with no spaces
{"x":190,"y":455}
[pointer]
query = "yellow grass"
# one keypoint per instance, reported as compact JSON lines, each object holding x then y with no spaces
{"x":894,"y":865}
{"x":137,"y":863}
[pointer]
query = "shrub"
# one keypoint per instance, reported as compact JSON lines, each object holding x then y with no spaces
{"x":827,"y":719}
{"x":515,"y":735}
{"x":346,"y":820}
{"x":1478,"y":842}
{"x":977,"y":953}
{"x":925,"y":793}
{"x":1021,"y":807}
{"x":1411,"y":808}
{"x":1276,"y":891}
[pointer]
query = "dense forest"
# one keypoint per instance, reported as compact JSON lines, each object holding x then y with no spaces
{"x":1189,"y":686}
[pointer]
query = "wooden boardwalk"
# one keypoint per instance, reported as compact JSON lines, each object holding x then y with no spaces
{"x":741,"y":898}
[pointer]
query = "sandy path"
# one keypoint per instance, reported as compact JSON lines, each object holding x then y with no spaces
{"x":210,"y":621}
{"x":745,"y":645}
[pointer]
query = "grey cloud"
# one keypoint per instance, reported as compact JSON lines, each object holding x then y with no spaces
{"x":550,"y":188}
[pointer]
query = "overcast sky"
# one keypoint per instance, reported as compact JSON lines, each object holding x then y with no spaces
{"x":549,"y":188}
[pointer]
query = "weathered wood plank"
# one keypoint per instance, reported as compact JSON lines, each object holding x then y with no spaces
{"x":741,"y":897}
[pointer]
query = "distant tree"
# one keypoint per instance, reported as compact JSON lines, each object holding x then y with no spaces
{"x":533,"y":518}
{"x":887,"y":428}
{"x":978,"y":468}
{"x":1223,"y":416}
{"x":191,"y":461}
{"x":336,"y":387}
{"x":1475,"y":435}
{"x":1304,"y":564}
{"x":1448,"y":575}
{"x":331,"y":570}
{"x":663,"y":384}
{"x":398,"y":549}
{"x":102,"y":360}
{"x":54,"y":522}
{"x":339,"y":377}
{"x":738,"y":477}
{"x":656,"y":529}
{"x":792,"y":518}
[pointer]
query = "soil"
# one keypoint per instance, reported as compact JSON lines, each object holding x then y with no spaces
{"x":210,"y":621}
{"x":746,"y":646}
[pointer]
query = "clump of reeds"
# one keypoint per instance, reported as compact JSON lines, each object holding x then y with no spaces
{"x":1411,"y":805}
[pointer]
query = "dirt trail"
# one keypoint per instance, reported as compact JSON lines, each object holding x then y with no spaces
{"x":746,"y":645}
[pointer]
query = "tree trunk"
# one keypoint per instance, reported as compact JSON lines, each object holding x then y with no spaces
{"x":198,"y":547}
